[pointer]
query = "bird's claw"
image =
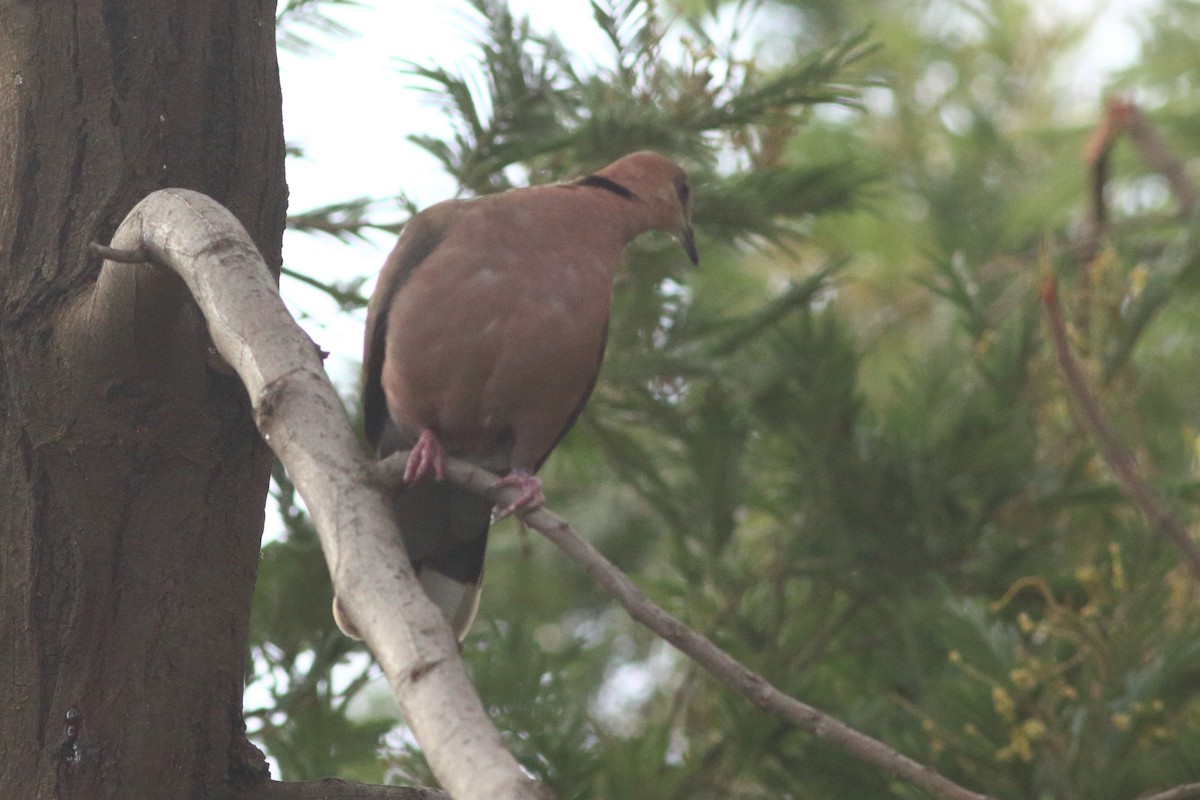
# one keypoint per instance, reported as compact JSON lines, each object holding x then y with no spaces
{"x":426,"y":456}
{"x":529,"y":497}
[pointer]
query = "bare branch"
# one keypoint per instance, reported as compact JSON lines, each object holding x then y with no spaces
{"x":301,"y":418}
{"x":1122,"y":117}
{"x":135,"y":256}
{"x":1155,"y":154}
{"x":1096,"y":155}
{"x":1120,"y":460}
{"x":700,"y":649}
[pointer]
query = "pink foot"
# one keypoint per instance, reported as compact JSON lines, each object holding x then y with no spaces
{"x":426,"y":456}
{"x":530,"y":496}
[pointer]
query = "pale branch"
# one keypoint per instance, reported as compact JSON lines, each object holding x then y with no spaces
{"x":1118,"y":457}
{"x":135,"y":256}
{"x":695,"y":646}
{"x":301,"y":418}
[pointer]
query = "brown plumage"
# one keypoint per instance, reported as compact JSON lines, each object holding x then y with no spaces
{"x":484,"y":338}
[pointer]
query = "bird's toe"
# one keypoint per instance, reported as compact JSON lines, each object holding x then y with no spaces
{"x":427,"y":456}
{"x":529,"y":493}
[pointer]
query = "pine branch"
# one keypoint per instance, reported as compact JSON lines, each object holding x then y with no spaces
{"x":752,"y":686}
{"x":311,"y":14}
{"x":526,"y":104}
{"x":347,"y":219}
{"x":347,"y":294}
{"x":506,"y":111}
{"x":807,"y":83}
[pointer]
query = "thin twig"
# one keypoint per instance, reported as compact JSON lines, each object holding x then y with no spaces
{"x":1122,"y":117}
{"x":700,"y":649}
{"x":1187,"y":791}
{"x":1120,"y":460}
{"x":345,"y":295}
{"x":137,"y":255}
{"x":1096,"y":155}
{"x":1156,"y":155}
{"x":1096,"y":152}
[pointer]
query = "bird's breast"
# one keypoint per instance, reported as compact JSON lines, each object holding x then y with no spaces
{"x":478,"y":353}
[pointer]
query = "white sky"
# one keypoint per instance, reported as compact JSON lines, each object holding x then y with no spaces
{"x":351,"y":111}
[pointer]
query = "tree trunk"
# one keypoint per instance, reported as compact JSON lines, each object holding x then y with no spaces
{"x":132,"y":480}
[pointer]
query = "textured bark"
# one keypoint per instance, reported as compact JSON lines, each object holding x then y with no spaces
{"x":132,"y":481}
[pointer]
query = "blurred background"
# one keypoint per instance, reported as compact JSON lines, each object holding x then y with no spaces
{"x":841,"y":447}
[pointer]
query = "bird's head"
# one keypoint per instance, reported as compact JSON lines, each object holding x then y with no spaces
{"x":662,"y":187}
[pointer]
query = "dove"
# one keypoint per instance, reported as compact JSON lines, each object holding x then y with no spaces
{"x":484,"y":338}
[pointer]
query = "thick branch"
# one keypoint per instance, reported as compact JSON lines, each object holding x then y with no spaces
{"x":301,"y":418}
{"x":720,"y":664}
{"x":1120,"y":460}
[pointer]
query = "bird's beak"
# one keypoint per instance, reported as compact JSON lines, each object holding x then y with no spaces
{"x":688,"y":240}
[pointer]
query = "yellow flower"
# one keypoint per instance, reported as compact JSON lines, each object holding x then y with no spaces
{"x":1003,"y":703}
{"x":1020,"y":741}
{"x":1118,"y":568}
{"x":1161,"y":732}
{"x":1022,"y":678}
{"x":984,"y":343}
{"x":1017,"y":749}
{"x":1137,"y":280}
{"x":1121,"y":721}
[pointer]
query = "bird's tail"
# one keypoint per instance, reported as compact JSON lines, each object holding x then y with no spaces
{"x":444,"y":528}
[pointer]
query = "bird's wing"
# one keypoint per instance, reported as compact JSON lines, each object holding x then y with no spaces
{"x":583,"y":401}
{"x":420,"y":237}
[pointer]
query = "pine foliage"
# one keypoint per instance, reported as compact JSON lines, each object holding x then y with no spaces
{"x":841,"y":447}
